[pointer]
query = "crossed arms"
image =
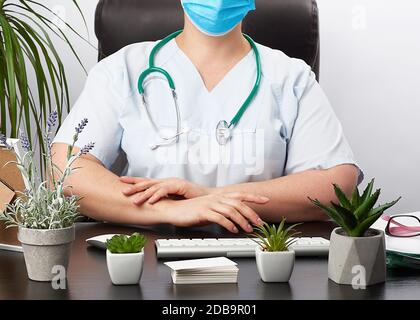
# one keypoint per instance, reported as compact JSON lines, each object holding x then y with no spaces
{"x":143,"y":201}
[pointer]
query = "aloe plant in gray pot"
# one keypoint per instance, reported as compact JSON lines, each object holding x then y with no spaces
{"x":356,"y":251}
{"x":44,"y":215}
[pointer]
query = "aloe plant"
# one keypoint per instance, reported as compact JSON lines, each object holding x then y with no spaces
{"x":26,"y":46}
{"x":355,"y":215}
{"x":274,"y":238}
{"x":126,"y":244}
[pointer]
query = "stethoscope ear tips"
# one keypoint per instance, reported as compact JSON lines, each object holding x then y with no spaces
{"x":153,"y":146}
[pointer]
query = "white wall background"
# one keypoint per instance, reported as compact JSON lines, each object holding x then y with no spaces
{"x":370,"y":68}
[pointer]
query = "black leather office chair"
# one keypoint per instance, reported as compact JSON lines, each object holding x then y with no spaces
{"x":288,"y":25}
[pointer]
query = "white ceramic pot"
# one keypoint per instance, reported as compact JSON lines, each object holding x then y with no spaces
{"x":275,"y":266}
{"x":45,"y":250}
{"x":125,"y":268}
{"x":357,"y":260}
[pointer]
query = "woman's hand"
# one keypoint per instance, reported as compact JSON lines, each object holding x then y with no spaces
{"x":225,"y":210}
{"x":152,"y":190}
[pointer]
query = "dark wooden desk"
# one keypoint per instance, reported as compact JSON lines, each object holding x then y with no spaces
{"x":88,"y":276}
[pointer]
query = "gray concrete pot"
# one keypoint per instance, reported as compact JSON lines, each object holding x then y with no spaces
{"x":44,"y":249}
{"x":357,"y":261}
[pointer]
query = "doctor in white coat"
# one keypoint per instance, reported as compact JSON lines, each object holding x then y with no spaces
{"x":278,"y":139}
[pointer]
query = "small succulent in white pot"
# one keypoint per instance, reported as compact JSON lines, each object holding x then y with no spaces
{"x":275,"y":259}
{"x":125,"y":258}
{"x":44,"y":215}
{"x":357,"y":252}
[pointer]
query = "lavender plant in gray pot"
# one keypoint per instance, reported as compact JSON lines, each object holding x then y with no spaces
{"x":357,"y":252}
{"x":44,"y":215}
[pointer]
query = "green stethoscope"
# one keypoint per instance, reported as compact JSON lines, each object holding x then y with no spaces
{"x":223,"y":129}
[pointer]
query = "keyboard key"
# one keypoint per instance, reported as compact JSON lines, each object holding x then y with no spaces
{"x":321,"y":240}
{"x":164,"y":244}
{"x":302,"y":242}
{"x":313,"y":242}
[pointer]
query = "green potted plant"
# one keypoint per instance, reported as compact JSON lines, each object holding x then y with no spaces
{"x":275,"y":259}
{"x":356,"y":249}
{"x":28,"y":29}
{"x":44,"y":215}
{"x":125,"y":257}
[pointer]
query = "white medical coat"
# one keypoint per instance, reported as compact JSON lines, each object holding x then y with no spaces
{"x":289,"y":127}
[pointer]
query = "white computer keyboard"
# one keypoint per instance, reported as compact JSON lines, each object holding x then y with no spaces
{"x":232,"y":247}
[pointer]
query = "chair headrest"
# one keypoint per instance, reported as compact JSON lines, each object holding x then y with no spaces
{"x":287,"y":25}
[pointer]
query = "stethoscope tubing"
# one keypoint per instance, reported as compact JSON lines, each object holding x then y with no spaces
{"x":153,"y":69}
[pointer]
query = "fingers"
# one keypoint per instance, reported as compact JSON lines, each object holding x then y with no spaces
{"x":131,"y":180}
{"x":139,"y":187}
{"x":152,"y":194}
{"x":229,"y":211}
{"x":163,"y":192}
{"x":155,"y":190}
{"x":244,"y":211}
{"x":248,"y":197}
{"x":221,"y":220}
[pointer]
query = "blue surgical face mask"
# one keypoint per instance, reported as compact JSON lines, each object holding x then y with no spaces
{"x":217,"y":17}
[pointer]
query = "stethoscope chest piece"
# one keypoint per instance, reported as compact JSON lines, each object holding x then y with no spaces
{"x":223,"y":132}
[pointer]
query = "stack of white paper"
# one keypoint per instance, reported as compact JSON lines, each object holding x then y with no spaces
{"x":211,"y":270}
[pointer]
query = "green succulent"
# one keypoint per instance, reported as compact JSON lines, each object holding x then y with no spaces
{"x":126,"y":244}
{"x":274,"y":239}
{"x":357,"y":214}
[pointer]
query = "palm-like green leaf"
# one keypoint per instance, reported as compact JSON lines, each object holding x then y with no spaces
{"x":26,"y":47}
{"x":8,"y":52}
